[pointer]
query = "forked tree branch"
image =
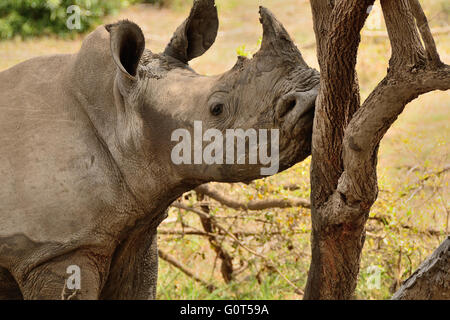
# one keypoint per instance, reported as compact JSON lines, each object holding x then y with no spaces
{"x":346,"y":137}
{"x":358,"y":184}
{"x":409,"y":76}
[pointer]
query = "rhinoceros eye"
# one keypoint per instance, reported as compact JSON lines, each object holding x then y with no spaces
{"x":217,"y":109}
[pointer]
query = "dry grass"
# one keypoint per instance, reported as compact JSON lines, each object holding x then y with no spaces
{"x":415,"y":150}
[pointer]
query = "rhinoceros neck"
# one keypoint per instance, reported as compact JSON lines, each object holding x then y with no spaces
{"x":91,"y":79}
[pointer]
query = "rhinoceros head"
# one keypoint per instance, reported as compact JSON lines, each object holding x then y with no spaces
{"x":251,"y":121}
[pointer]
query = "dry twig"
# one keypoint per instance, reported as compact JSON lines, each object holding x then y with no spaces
{"x":254,"y":204}
{"x":166,"y":257}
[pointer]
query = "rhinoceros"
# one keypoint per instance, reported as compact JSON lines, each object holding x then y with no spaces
{"x":86,"y":165}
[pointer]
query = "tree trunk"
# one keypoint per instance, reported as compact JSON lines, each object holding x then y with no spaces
{"x":347,"y":135}
{"x":431,"y":281}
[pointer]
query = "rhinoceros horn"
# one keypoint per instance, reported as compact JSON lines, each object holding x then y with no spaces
{"x":276,"y":40}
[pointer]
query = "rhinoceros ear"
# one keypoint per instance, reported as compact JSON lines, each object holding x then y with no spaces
{"x":196,"y":34}
{"x":127,"y":45}
{"x":276,"y":40}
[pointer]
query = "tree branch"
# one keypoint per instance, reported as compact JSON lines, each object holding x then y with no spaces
{"x":357,"y":187}
{"x":429,"y":231}
{"x":208,"y":225}
{"x":383,"y":34}
{"x":426,"y":33}
{"x":432,"y":278}
{"x":267,"y":260}
{"x":346,"y":137}
{"x":321,"y":20}
{"x":407,"y":50}
{"x":254,"y":204}
{"x":338,"y":35}
{"x":166,"y":257}
{"x":410,"y":75}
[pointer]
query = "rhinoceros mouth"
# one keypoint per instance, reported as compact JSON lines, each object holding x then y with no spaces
{"x":296,"y":113}
{"x":302,"y":127}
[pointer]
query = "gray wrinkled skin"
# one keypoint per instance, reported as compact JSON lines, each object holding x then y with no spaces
{"x":85,"y":149}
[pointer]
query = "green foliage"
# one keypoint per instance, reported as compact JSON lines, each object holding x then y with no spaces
{"x":243,"y":52}
{"x":41,"y":17}
{"x":29,"y":18}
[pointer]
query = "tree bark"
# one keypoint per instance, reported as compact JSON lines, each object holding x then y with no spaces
{"x":346,"y":135}
{"x":431,"y":280}
{"x":336,"y":247}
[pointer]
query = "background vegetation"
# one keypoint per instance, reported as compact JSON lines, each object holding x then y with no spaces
{"x":238,"y":253}
{"x":28,"y":18}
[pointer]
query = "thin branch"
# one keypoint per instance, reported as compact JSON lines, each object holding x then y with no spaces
{"x":208,"y":225}
{"x":384,"y":34}
{"x":236,"y":233}
{"x":166,"y":257}
{"x":267,"y":260}
{"x":291,"y":187}
{"x":187,"y":232}
{"x":254,"y":204}
{"x":439,"y":31}
{"x":385,"y":220}
{"x":434,"y":174}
